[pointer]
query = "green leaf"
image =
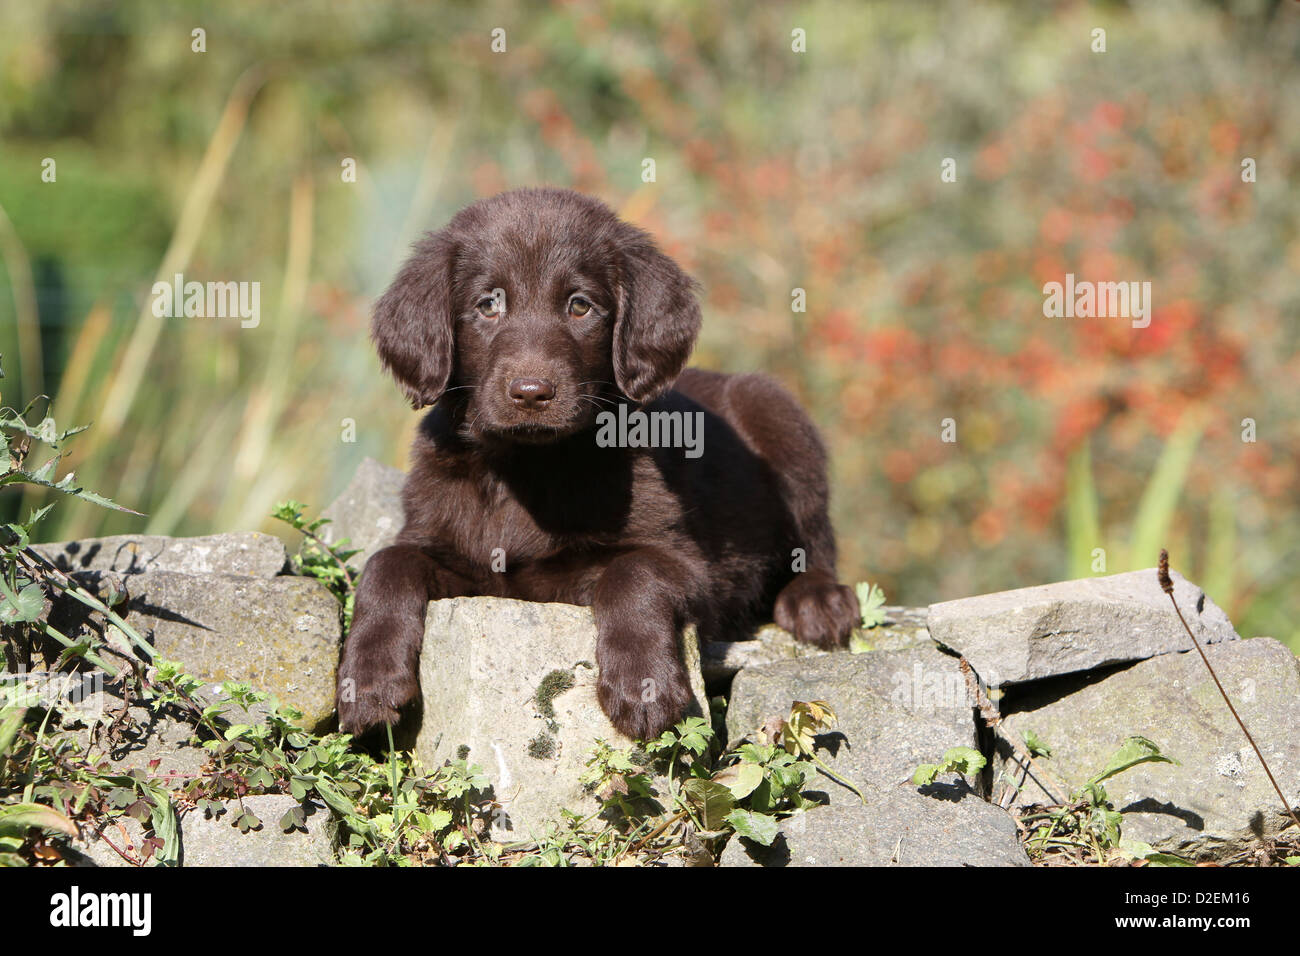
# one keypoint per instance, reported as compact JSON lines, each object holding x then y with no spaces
{"x":759,"y":827}
{"x":38,"y":514}
{"x":46,"y":471}
{"x":747,"y":778}
{"x":964,"y":760}
{"x":711,"y":800}
{"x":294,"y":818}
{"x":1036,"y":745}
{"x":1104,"y":823}
{"x":23,"y":607}
{"x":858,"y":643}
{"x":335,"y":800}
{"x":10,"y":720}
{"x":763,"y":798}
{"x":871,"y":599}
{"x":1082,"y":525}
{"x":66,"y":486}
{"x":1159,"y":501}
{"x":1137,"y":850}
{"x":925,"y":774}
{"x":20,"y":538}
{"x":163,"y":821}
{"x":1135,"y":750}
{"x":15,"y":818}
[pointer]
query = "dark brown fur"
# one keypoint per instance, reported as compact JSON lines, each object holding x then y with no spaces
{"x":647,"y":537}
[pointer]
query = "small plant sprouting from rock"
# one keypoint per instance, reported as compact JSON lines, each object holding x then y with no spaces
{"x":28,"y":582}
{"x":35,"y":764}
{"x":1167,"y":585}
{"x":1088,"y":822}
{"x":806,"y":721}
{"x":745,"y":791}
{"x":388,"y":812}
{"x":965,"y":761}
{"x":318,"y":559}
{"x":1036,"y":745}
{"x":872,"y":602}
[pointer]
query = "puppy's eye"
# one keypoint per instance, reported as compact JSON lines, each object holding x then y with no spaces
{"x":487,"y":307}
{"x":578,"y":307}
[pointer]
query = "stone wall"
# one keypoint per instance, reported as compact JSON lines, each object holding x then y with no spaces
{"x":1079,"y":664}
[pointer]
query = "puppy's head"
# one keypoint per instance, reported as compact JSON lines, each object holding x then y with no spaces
{"x":530,"y":309}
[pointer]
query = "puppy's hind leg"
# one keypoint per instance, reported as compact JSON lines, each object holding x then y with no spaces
{"x":813,"y":605}
{"x":817,"y":609}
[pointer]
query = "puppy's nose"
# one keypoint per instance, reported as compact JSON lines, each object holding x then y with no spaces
{"x":531,"y":392}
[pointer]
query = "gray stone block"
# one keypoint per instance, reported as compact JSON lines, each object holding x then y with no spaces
{"x":1052,"y":629}
{"x":483,"y":663}
{"x":250,"y":553}
{"x":216,"y":842}
{"x":943,"y":826}
{"x":896,"y":709}
{"x":1218,"y":799}
{"x":903,"y":627}
{"x":368,"y":512}
{"x":279,"y":634}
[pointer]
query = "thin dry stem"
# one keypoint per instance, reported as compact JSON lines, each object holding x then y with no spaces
{"x":1167,"y":585}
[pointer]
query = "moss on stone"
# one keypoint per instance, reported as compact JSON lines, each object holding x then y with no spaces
{"x":542,"y":747}
{"x":552,"y":685}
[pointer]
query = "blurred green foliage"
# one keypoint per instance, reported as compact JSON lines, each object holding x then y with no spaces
{"x":775,"y":171}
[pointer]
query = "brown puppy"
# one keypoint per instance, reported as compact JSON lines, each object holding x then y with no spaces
{"x":543,"y":327}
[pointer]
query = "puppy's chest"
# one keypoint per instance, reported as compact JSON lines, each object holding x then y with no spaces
{"x":564,"y":520}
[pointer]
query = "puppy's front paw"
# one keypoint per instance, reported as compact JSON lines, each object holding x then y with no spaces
{"x":373,"y":690}
{"x":818,"y":610}
{"x":642,"y":695}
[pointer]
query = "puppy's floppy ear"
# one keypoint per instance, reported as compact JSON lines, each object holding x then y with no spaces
{"x":658,"y":319}
{"x":412,"y":327}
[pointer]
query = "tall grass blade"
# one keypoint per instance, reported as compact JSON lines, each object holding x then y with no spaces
{"x":1160,"y":498}
{"x":1082,"y":525}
